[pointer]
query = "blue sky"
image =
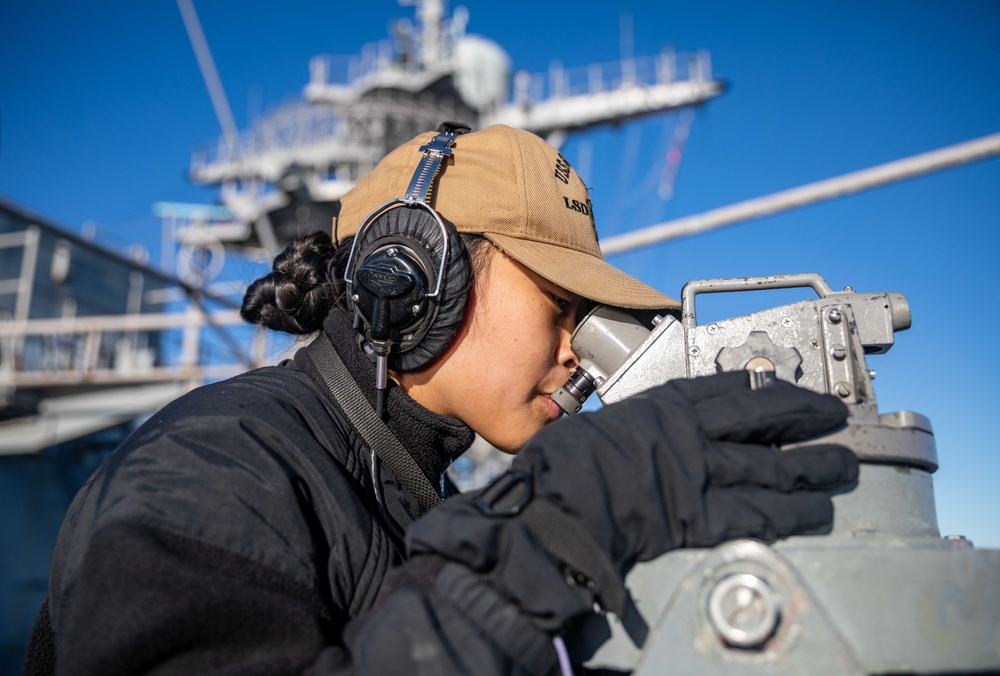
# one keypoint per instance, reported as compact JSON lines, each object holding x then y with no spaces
{"x":102,"y":103}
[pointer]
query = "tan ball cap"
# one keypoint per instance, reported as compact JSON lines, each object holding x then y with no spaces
{"x":520,"y":193}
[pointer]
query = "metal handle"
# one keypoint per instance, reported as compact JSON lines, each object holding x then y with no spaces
{"x":692,"y":289}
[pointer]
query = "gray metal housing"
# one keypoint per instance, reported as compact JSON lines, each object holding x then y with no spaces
{"x":882,"y":593}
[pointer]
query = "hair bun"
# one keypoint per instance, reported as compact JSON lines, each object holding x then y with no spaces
{"x":297,"y":295}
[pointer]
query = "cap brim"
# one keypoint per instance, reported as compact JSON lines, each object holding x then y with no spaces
{"x":583,"y":274}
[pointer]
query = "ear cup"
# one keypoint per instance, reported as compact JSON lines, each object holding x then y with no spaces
{"x":414,"y":233}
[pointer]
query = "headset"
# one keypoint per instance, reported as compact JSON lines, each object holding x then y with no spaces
{"x":407,"y":279}
{"x":408,"y":272}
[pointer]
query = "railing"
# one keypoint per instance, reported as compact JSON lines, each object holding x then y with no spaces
{"x":665,"y":68}
{"x":301,"y":124}
{"x":293,"y":125}
{"x":121,"y":349}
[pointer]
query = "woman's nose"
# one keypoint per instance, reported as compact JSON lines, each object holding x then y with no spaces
{"x":564,"y":354}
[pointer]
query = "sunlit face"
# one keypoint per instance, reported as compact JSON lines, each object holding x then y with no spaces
{"x":512,"y":352}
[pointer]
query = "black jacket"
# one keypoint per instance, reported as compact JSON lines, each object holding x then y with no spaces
{"x":236,"y":531}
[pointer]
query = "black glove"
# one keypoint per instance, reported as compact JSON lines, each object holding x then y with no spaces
{"x":691,"y":463}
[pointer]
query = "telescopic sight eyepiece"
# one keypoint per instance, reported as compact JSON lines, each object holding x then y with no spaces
{"x":571,"y":396}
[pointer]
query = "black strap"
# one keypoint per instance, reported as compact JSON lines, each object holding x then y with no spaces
{"x":561,"y":535}
{"x":376,"y":434}
{"x":566,"y":540}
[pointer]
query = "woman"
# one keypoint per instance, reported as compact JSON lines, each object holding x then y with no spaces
{"x":257,"y":525}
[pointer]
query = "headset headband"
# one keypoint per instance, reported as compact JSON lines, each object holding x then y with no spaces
{"x":423,"y":178}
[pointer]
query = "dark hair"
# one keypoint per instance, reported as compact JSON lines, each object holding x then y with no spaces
{"x":307,"y":280}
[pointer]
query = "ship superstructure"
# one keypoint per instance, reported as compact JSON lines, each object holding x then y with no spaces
{"x":285,"y":175}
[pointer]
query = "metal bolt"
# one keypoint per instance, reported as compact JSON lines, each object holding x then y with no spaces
{"x":657,"y":320}
{"x":848,"y":288}
{"x":834,"y":316}
{"x":355,"y":297}
{"x":843,"y":389}
{"x":814,"y":344}
{"x":871,"y":374}
{"x":391,"y":251}
{"x":743,"y":610}
{"x":415,"y":308}
{"x":759,"y":364}
{"x":693,"y":350}
{"x":786,"y":322}
{"x":838,"y":352}
{"x":713,"y":329}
